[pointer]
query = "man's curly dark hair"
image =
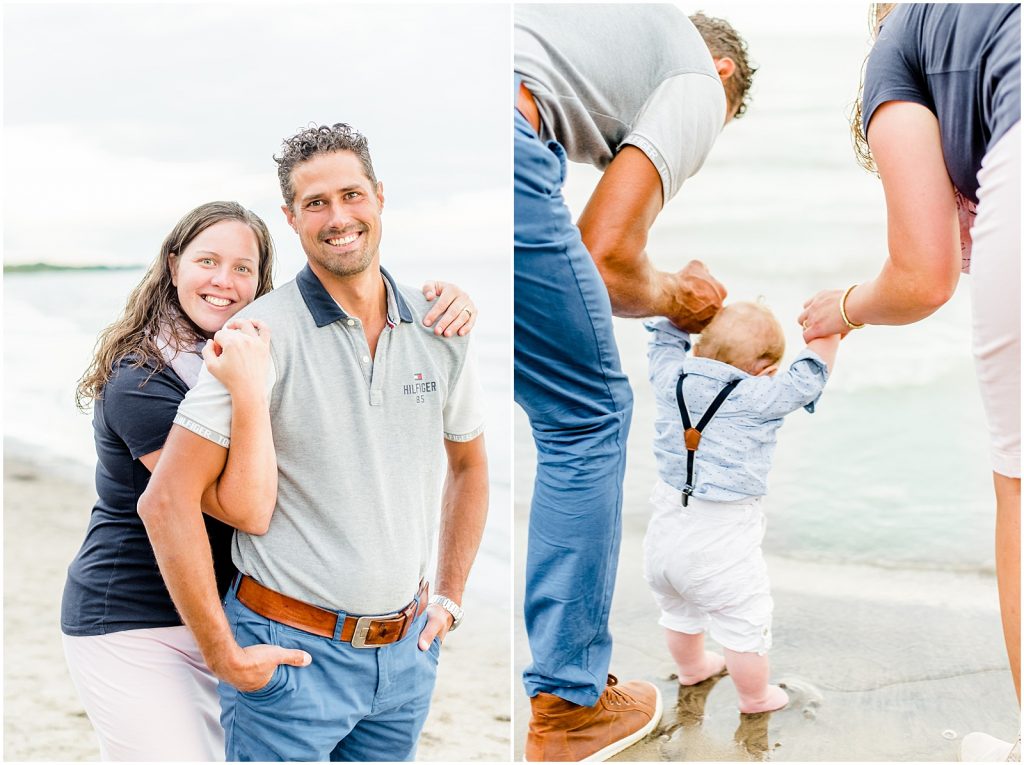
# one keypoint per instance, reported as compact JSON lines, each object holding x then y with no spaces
{"x":725,"y":42}
{"x":314,"y":140}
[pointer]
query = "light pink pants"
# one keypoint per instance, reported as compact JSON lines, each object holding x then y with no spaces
{"x":148,"y":694}
{"x":995,"y":298}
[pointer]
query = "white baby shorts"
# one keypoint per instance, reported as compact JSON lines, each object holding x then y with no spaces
{"x":704,"y":566}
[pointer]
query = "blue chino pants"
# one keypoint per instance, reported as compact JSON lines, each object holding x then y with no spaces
{"x":569,"y":382}
{"x":349,"y":705}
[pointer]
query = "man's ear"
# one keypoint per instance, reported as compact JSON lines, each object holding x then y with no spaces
{"x":380,"y":194}
{"x":289,"y":216}
{"x":725,"y":67}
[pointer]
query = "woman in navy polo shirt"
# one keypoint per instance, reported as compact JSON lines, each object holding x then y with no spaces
{"x":138,"y":671}
{"x":137,"y":668}
{"x":940,"y":121}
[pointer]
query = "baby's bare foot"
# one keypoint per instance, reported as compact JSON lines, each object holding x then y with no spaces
{"x":773,"y":698}
{"x":713,"y":665}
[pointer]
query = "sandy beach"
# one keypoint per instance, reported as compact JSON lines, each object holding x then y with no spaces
{"x":882,"y":664}
{"x":45,"y":515}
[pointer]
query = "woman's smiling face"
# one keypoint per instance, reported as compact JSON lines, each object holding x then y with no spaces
{"x":217,"y":274}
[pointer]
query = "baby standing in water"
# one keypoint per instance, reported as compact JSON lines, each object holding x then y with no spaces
{"x":718,"y":413}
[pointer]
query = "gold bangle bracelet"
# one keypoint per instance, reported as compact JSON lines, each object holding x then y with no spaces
{"x":842,"y":309}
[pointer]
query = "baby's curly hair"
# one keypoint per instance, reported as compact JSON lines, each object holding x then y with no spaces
{"x":314,"y":140}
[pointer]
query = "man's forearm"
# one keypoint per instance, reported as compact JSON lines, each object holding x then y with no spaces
{"x":614,"y":227}
{"x":182,"y":548}
{"x":689,"y":298}
{"x":636,"y":288}
{"x":170,"y":510}
{"x":463,"y":514}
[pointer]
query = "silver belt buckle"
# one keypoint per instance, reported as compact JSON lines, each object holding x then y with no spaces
{"x":361,"y":631}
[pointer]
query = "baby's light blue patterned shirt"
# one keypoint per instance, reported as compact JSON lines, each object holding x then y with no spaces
{"x":736,"y":447}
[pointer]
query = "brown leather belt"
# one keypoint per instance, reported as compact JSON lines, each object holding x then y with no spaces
{"x":360,"y":631}
{"x":527,"y":106}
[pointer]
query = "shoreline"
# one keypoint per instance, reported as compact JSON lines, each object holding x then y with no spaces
{"x":46,"y":510}
{"x":882,"y":663}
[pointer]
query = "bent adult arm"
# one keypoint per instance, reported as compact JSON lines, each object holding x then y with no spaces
{"x":923,"y":267}
{"x":246,"y":493}
{"x":170,"y":510}
{"x":463,"y":513}
{"x":614,"y":226}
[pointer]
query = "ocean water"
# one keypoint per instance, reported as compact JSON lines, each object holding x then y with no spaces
{"x":893,"y":468}
{"x":52,"y":319}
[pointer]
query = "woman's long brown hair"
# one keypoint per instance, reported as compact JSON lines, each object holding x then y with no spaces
{"x":153,"y":304}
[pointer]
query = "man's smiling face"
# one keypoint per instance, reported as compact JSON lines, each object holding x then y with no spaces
{"x":336,"y":213}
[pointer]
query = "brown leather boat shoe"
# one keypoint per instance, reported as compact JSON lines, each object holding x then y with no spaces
{"x":561,"y":731}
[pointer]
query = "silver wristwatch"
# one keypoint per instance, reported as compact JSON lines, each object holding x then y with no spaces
{"x":451,"y":607}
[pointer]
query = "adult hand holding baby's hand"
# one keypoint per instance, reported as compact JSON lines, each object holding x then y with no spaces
{"x":821,"y":316}
{"x":696,"y":297}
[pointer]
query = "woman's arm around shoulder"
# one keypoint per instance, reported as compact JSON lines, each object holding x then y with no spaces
{"x":453,"y":312}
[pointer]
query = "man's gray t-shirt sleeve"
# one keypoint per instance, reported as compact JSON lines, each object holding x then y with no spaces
{"x":678,"y":125}
{"x":206,"y":410}
{"x":606,"y":75}
{"x":463,"y":413}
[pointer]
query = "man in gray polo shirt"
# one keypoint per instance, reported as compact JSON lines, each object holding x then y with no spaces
{"x":640,"y":92}
{"x":328,"y":648}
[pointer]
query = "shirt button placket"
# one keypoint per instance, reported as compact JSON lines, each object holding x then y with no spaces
{"x":377,"y":379}
{"x":361,"y":348}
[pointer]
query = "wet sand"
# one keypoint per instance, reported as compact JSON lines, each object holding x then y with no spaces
{"x":882,"y":664}
{"x":45,"y":515}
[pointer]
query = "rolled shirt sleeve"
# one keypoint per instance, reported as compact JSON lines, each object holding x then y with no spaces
{"x":799,"y":386}
{"x":667,"y":346}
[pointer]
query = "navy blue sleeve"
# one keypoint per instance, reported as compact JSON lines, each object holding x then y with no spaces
{"x":139,"y":406}
{"x":893,"y":70}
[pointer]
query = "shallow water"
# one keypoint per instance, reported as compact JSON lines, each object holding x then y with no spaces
{"x":893,"y":467}
{"x":52,"y":319}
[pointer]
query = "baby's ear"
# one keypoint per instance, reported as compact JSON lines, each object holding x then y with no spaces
{"x":769,"y":371}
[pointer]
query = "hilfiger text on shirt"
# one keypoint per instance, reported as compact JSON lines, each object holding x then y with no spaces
{"x":419,"y":386}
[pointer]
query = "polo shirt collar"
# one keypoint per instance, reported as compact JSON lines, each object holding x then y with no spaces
{"x":325,"y":309}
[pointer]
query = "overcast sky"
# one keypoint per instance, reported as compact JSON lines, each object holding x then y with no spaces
{"x":120,"y":118}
